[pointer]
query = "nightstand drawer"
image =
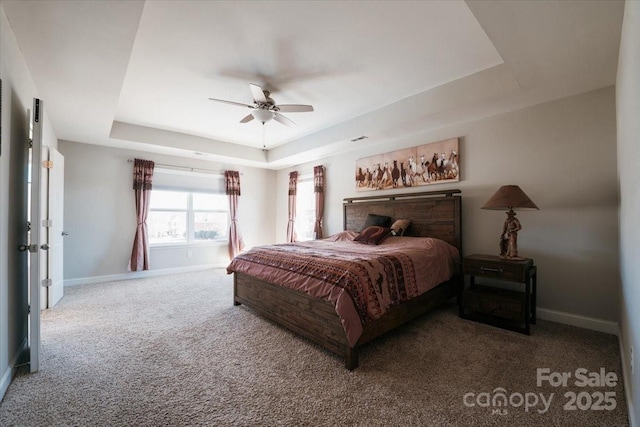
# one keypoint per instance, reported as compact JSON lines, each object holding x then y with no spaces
{"x":487,"y":269}
{"x":497,"y":268}
{"x":496,"y":302}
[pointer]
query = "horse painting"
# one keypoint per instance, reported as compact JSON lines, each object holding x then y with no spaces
{"x":426,"y":164}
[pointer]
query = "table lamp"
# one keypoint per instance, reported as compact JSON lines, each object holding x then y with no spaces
{"x":510,"y":197}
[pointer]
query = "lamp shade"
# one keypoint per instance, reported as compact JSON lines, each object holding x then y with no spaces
{"x":509,"y":197}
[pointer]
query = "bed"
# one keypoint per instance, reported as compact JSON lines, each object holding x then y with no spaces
{"x":434,"y":214}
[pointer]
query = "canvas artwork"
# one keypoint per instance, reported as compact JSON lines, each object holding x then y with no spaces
{"x":434,"y":163}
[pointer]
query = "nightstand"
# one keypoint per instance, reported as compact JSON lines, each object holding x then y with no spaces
{"x":507,"y":308}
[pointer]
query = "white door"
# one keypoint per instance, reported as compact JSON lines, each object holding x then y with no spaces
{"x":55,"y":290}
{"x":18,"y":234}
{"x":35,"y":219}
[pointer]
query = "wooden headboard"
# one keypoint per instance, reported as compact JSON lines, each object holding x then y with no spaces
{"x":432,"y":214}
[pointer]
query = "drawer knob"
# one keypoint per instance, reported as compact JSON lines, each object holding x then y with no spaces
{"x":492,"y":270}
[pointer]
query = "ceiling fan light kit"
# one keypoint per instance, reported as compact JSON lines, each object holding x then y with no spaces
{"x":262,"y":116}
{"x":265,"y":108}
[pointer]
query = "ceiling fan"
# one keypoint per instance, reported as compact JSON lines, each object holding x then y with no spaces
{"x":265,"y":108}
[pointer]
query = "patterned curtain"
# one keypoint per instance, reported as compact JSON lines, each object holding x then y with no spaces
{"x":142,"y":177}
{"x":318,"y":190}
{"x":291,"y":225}
{"x":232,"y":184}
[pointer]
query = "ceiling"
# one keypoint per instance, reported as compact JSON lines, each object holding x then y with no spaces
{"x":135,"y":74}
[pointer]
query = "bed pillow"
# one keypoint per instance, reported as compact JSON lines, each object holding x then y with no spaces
{"x":400,"y":226}
{"x":373,"y":235}
{"x":343,"y":236}
{"x":378,"y":220}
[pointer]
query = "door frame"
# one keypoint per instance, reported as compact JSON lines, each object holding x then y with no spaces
{"x":35,"y":279}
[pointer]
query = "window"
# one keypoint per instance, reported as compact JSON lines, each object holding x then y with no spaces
{"x":210,"y":216}
{"x":305,"y":210}
{"x":186,"y":217}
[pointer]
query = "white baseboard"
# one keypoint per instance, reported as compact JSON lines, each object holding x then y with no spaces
{"x":585,"y":322}
{"x":626,"y":377}
{"x":137,"y":275}
{"x":8,"y":374}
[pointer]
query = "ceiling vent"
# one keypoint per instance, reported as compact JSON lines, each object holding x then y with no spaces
{"x":360,"y":138}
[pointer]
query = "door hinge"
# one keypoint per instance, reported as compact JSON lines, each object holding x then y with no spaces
{"x":46,"y":283}
{"x":48,"y":164}
{"x":28,"y":309}
{"x":47,"y":223}
{"x":30,"y":142}
{"x":36,"y":116}
{"x":28,"y":225}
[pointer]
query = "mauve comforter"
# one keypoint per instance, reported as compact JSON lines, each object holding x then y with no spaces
{"x":361,"y":281}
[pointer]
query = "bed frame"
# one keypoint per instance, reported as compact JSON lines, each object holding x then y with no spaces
{"x":432,"y":214}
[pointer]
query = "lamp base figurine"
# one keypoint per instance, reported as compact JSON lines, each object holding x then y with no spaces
{"x":509,"y":237}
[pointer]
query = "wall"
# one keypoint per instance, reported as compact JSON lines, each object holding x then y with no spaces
{"x":100,"y":214}
{"x":563,"y":155}
{"x":628,"y":115}
{"x":18,"y":91}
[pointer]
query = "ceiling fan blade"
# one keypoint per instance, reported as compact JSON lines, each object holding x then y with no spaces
{"x":294,"y":108}
{"x":247,"y":119}
{"x":231,"y":102}
{"x":282,"y":119}
{"x":258,"y":93}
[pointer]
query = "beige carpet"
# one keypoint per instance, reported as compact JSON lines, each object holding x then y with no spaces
{"x":175,"y":351}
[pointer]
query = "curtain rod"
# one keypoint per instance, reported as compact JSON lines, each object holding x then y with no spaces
{"x":308,"y":171}
{"x":188,"y":168}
